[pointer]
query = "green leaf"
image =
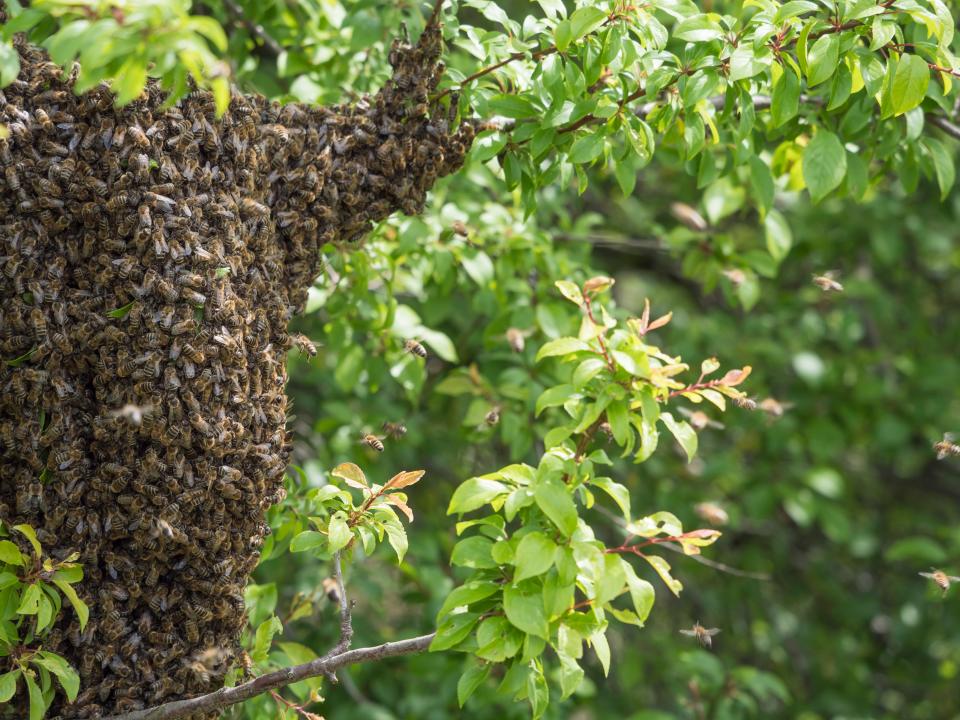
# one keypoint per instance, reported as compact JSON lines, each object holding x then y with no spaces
{"x":30,"y":600}
{"x":822,"y":59}
{"x":761,"y":180}
{"x":68,"y":677}
{"x":220,"y":87}
{"x":79,"y":606}
{"x":130,"y":80}
{"x":602,"y":649}
{"x":473,"y":552}
{"x":453,"y":630}
{"x":478,"y":266}
{"x":534,"y":555}
{"x":37,"y":706}
{"x":570,"y":291}
{"x":307,"y":540}
{"x":571,"y":675}
{"x":523,"y":606}
{"x":663,"y":570}
{"x":10,"y":553}
{"x":824,"y":164}
{"x":338,"y":532}
{"x":778,"y":234}
{"x":562,"y":346}
{"x":585,"y":20}
{"x":587,"y":370}
{"x":619,"y":493}
{"x":466,"y":594}
{"x":611,"y":579}
{"x":351,"y":474}
{"x":513,"y":106}
{"x":30,"y":535}
{"x":474,"y":493}
{"x":684,"y":434}
{"x":263,"y":638}
{"x":551,"y":397}
{"x":471,"y":680}
{"x":698,"y":28}
{"x":641,"y":593}
{"x":44,"y":612}
{"x":9,"y":64}
{"x":910,"y":82}
{"x":587,"y":148}
{"x":785,"y":102}
{"x":942,"y":164}
{"x":553,"y":497}
{"x":8,"y":685}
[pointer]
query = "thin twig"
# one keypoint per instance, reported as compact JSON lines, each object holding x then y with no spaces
{"x":435,"y":15}
{"x":280,"y":678}
{"x":255,"y":29}
{"x":618,"y":521}
{"x":346,"y":623}
{"x":944,"y":124}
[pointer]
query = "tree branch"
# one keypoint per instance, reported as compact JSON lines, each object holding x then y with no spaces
{"x":255,"y":29}
{"x":944,"y":124}
{"x":280,"y":678}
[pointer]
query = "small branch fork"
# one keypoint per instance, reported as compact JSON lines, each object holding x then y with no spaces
{"x":327,"y":665}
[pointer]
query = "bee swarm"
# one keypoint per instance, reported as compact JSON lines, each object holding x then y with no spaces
{"x":150,"y":261}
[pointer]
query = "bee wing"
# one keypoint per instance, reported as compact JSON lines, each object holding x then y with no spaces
{"x":927,"y":575}
{"x":953,"y":578}
{"x":949,"y":436}
{"x":712,"y":631}
{"x":691,"y":633}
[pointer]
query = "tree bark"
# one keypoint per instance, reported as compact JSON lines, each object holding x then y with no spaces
{"x":150,"y":261}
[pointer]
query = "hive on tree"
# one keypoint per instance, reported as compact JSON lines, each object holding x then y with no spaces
{"x":150,"y":261}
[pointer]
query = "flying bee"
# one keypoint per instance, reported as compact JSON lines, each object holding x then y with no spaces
{"x":393,"y":430}
{"x":746,"y":403}
{"x":331,"y":589}
{"x":132,"y":413}
{"x":827,"y":282}
{"x":703,"y":635}
{"x":699,"y":419}
{"x":941,"y":579}
{"x":516,"y":339}
{"x":305,"y":345}
{"x":492,"y":417}
{"x":415,"y":348}
{"x":946,"y":447}
{"x":689,"y":217}
{"x":736,"y":276}
{"x":372,"y":441}
{"x":460,"y":228}
{"x":774,"y":408}
{"x":711,"y":513}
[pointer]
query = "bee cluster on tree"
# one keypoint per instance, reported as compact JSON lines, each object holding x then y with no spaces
{"x":150,"y":260}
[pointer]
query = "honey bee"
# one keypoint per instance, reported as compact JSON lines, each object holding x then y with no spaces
{"x":946,"y":447}
{"x":940,"y":579}
{"x":492,"y":417}
{"x":460,"y":228}
{"x":711,"y":513}
{"x":774,"y":408}
{"x":746,"y":403}
{"x":373,"y":441}
{"x":305,"y":345}
{"x":827,"y":282}
{"x":393,"y":430}
{"x":689,"y":217}
{"x":39,"y":324}
{"x":132,"y":413}
{"x":736,"y":276}
{"x":699,"y":419}
{"x":515,"y":338}
{"x":415,"y":348}
{"x":703,"y":635}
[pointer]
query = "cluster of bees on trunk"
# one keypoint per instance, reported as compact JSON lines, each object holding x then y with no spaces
{"x":150,"y":260}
